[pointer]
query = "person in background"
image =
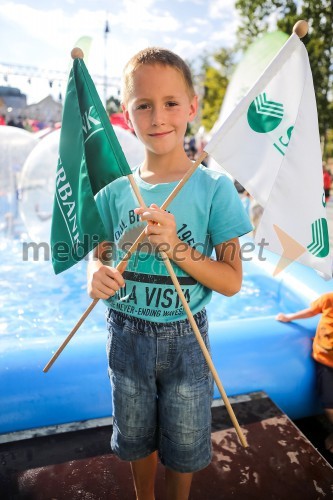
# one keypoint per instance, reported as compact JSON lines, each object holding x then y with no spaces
{"x":322,"y":351}
{"x":192,"y":153}
{"x":327,"y":179}
{"x":245,"y":198}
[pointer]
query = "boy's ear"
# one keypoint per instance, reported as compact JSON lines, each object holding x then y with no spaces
{"x":126,"y":115}
{"x":193,"y":108}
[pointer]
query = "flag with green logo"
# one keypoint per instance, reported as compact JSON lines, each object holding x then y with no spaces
{"x":270,"y":143}
{"x":90,"y":157}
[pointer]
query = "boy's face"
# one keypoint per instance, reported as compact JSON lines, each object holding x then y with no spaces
{"x":159,"y":108}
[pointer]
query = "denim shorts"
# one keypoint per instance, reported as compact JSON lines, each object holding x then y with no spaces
{"x":162,"y":391}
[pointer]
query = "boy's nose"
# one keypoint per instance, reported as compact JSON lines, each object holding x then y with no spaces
{"x":157,"y":118}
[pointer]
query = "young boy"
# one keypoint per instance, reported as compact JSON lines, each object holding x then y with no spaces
{"x":322,"y":351}
{"x":161,"y":385}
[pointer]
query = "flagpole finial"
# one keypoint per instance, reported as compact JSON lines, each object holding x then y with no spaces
{"x":301,"y":28}
{"x":77,"y":53}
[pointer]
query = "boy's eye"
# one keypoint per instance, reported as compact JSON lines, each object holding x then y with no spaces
{"x":142,"y":106}
{"x":171,"y":103}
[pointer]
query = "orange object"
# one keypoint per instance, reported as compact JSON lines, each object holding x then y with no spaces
{"x":323,"y":340}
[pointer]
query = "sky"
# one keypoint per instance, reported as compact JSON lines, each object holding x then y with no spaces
{"x":42,"y":33}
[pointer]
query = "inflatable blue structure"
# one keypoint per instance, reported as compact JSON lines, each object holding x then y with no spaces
{"x":251,"y":351}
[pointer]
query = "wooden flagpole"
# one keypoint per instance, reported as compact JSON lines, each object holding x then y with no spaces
{"x":204,"y":350}
{"x":188,"y":311}
{"x":181,"y":296}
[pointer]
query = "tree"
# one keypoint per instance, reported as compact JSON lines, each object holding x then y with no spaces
{"x":215,"y":82}
{"x":319,"y":43}
{"x":255,"y":17}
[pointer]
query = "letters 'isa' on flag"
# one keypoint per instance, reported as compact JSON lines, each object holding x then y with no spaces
{"x":90,"y":157}
{"x":270,"y":143}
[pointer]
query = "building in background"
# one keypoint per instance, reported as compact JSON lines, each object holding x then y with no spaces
{"x":13,"y":106}
{"x":47,"y":111}
{"x":12,"y":101}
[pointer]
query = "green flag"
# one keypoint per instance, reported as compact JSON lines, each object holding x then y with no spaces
{"x":90,"y":157}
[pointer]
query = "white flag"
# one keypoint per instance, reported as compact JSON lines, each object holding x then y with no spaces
{"x":270,"y":143}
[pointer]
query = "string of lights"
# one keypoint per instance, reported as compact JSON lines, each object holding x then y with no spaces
{"x":29,"y":72}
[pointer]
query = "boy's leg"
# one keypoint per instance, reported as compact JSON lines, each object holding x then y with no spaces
{"x":329,"y":439}
{"x":177,"y":484}
{"x":144,"y":471}
{"x":325,"y":393}
{"x":184,"y":406}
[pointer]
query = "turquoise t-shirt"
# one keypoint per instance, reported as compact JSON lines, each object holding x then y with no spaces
{"x":207,"y":211}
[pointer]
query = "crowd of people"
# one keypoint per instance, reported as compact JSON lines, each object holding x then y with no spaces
{"x":26,"y":123}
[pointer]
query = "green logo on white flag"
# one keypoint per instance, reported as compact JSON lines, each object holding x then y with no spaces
{"x":263,"y":115}
{"x":320,"y":245}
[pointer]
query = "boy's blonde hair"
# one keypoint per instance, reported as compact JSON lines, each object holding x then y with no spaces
{"x":154,"y":55}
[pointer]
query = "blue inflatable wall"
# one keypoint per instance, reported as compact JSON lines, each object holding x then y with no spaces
{"x":250,"y":354}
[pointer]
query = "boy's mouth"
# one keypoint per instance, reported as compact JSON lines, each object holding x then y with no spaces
{"x":160,"y":134}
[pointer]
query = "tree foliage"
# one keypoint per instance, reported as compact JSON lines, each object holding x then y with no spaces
{"x":256,"y":18}
{"x":216,"y":79}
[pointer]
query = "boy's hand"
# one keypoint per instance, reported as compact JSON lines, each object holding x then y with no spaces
{"x":282,"y":317}
{"x":105,"y":282}
{"x":161,"y":229}
{"x":321,"y":349}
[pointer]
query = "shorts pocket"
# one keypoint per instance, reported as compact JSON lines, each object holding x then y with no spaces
{"x":121,"y":360}
{"x":196,"y":380}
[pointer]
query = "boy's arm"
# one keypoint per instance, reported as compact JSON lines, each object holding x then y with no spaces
{"x":103,"y":281}
{"x":223,"y":275}
{"x":303,"y":314}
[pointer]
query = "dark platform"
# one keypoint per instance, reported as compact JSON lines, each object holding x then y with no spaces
{"x":280,"y":462}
